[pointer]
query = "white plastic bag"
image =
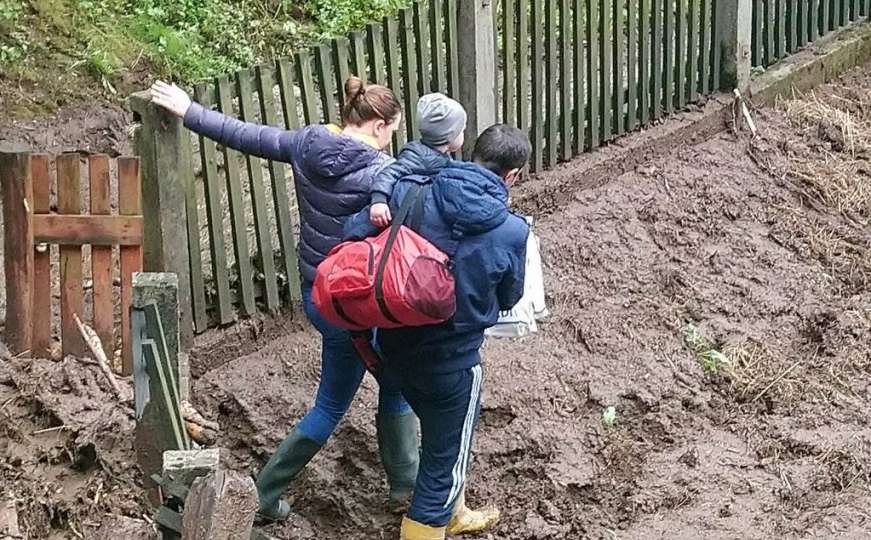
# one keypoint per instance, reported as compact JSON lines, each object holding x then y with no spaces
{"x":521,"y":319}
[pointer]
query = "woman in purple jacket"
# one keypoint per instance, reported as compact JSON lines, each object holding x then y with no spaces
{"x":333,"y":168}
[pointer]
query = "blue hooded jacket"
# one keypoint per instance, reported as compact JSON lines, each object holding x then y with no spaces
{"x":465,"y":215}
{"x":415,"y":158}
{"x":333,"y":174}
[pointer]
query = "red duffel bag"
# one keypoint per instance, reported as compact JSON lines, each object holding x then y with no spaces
{"x":396,"y":279}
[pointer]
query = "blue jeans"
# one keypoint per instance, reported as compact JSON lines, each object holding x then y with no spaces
{"x":341,"y":374}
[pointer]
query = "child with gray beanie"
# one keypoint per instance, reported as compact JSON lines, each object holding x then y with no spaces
{"x":441,"y":121}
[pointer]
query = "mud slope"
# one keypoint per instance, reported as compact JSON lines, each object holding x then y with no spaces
{"x":718,"y":298}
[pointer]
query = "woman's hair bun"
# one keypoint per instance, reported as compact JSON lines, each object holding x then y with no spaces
{"x":354,"y":89}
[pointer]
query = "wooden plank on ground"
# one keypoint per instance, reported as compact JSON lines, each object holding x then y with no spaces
{"x":71,"y":303}
{"x":566,"y":84}
{"x":437,"y":44}
{"x":409,"y":72}
{"x":280,"y":198}
{"x":262,"y":227}
{"x":214,"y":192}
{"x":129,"y":203}
{"x":551,"y":80}
{"x":593,"y":79}
{"x":42,"y":290}
{"x":579,"y":88}
{"x":79,"y":230}
{"x":101,"y":256}
{"x":538,"y":91}
{"x":238,"y":223}
{"x":326,"y":83}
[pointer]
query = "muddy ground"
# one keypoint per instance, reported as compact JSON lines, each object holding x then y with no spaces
{"x":719,"y":298}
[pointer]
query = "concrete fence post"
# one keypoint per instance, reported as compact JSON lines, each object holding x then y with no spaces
{"x":477,"y":56}
{"x":734,"y":22}
{"x":165,"y":170}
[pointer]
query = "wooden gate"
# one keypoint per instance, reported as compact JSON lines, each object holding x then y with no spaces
{"x":30,"y":226}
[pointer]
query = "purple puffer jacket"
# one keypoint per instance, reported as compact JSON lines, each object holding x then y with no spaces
{"x":333,"y":174}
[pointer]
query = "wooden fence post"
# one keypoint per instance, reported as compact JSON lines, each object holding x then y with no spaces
{"x":166,"y":177}
{"x":734,"y":26}
{"x":477,"y":55}
{"x":17,"y":196}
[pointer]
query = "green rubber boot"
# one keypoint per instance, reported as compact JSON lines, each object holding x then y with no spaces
{"x":399,"y":447}
{"x":294,"y":452}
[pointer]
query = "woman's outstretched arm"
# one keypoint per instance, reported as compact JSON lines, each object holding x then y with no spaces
{"x":256,"y":139}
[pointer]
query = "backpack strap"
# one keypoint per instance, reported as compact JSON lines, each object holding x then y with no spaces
{"x":411,"y":197}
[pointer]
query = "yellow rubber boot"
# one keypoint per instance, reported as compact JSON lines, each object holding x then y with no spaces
{"x":466,"y":521}
{"x":412,"y":530}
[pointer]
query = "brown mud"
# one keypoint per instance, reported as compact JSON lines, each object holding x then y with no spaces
{"x":719,"y":298}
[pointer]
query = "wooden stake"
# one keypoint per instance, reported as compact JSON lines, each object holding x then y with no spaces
{"x":93,"y":342}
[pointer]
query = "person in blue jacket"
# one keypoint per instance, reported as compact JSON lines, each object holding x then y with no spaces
{"x":333,"y":170}
{"x":466,"y":215}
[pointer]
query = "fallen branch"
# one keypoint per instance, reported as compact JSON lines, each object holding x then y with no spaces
{"x":745,"y":112}
{"x":775,"y":381}
{"x":96,"y":346}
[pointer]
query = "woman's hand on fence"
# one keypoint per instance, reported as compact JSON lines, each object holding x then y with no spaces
{"x":171,"y":98}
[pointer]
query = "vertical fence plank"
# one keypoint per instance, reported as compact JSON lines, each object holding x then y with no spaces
{"x":308,"y":92}
{"x":565,"y":85}
{"x":792,"y":35}
{"x":375,"y":47}
{"x":836,"y":14}
{"x":453,"y":54}
{"x":129,"y":203}
{"x":606,"y":100}
{"x":619,"y":61}
{"x":716,"y":53}
{"x":437,"y":32}
{"x":101,"y":256}
{"x":669,"y":37}
{"x":410,"y":83}
{"x":41,"y":293}
{"x":551,"y":79}
{"x":538,"y":135}
{"x":237,"y":209}
{"x":326,"y":83}
{"x":422,"y":48}
{"x":802,"y":22}
{"x":705,"y":61}
{"x":215,"y":213}
{"x":779,"y":28}
{"x":16,"y":190}
{"x":657,"y":46}
{"x":258,"y":194}
{"x":854,"y":10}
{"x":342,"y":61}
{"x":693,"y":50}
{"x":825,"y":11}
{"x":192,"y":223}
{"x":579,"y":86}
{"x":522,"y":64}
{"x":681,"y":52}
{"x":358,"y":55}
{"x":391,"y":48}
{"x":632,"y":15}
{"x":757,"y":42}
{"x":280,"y":198}
{"x":814,"y":20}
{"x":509,"y":71}
{"x":644,"y":45}
{"x":71,"y":303}
{"x":769,"y":32}
{"x":286,"y":86}
{"x":593,"y":61}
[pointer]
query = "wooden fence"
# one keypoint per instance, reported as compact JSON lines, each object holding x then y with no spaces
{"x":31,"y":227}
{"x":575,"y":74}
{"x":781,"y":27}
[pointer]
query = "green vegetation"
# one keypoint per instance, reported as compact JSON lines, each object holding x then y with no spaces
{"x":183,"y":39}
{"x":712,"y":360}
{"x":609,"y":417}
